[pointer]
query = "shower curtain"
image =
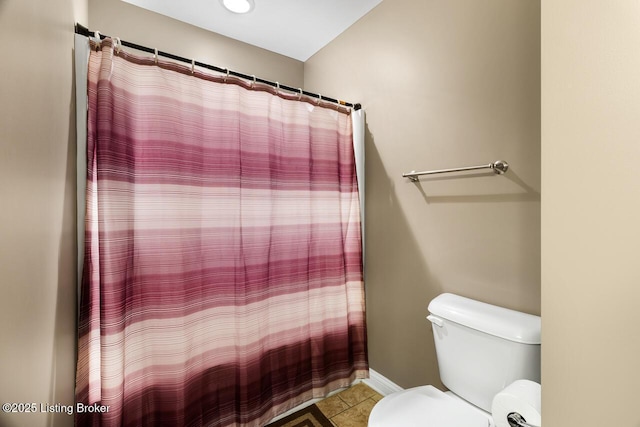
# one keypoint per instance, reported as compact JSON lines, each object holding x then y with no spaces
{"x":222,"y":280}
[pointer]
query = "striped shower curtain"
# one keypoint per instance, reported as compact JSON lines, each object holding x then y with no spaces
{"x":222,"y":278}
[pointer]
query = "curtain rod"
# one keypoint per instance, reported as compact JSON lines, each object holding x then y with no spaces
{"x":84,"y":31}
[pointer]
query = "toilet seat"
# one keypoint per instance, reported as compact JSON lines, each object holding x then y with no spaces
{"x":425,"y":406}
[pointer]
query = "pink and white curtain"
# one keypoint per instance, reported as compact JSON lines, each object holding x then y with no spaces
{"x":222,"y":278}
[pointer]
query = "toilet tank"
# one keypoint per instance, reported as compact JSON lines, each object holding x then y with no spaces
{"x":482,"y":348}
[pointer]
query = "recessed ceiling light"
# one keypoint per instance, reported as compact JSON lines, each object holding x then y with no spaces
{"x":238,"y":6}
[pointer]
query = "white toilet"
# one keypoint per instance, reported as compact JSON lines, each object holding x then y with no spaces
{"x":481,"y":349}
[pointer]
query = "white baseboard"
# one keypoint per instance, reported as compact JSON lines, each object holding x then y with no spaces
{"x":381,"y":384}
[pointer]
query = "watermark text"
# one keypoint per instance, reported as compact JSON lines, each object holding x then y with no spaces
{"x":58,"y":408}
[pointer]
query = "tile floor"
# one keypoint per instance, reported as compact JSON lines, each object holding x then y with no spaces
{"x":351,"y":407}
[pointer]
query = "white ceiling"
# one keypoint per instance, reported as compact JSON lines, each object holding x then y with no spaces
{"x":294,"y":28}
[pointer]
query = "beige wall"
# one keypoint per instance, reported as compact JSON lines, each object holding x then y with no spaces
{"x":120,"y":19}
{"x":444,"y":84}
{"x":37,"y":217}
{"x":590,"y":213}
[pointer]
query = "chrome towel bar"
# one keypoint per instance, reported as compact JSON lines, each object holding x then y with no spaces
{"x":499,"y":167}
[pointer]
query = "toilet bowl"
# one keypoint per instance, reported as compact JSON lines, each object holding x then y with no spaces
{"x":426,"y":406}
{"x":481,"y":348}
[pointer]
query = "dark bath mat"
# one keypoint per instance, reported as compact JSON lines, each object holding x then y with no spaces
{"x":307,"y":417}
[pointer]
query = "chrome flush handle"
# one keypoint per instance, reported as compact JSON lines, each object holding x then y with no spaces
{"x":435,"y":320}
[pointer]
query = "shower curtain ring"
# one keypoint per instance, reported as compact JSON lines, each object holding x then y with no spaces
{"x":118,"y":44}
{"x":193,"y":66}
{"x":96,"y":35}
{"x":227,"y":76}
{"x":254,"y":81}
{"x":299,"y":94}
{"x":155,"y":55}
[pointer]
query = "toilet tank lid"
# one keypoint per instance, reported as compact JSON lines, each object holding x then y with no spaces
{"x":498,"y":321}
